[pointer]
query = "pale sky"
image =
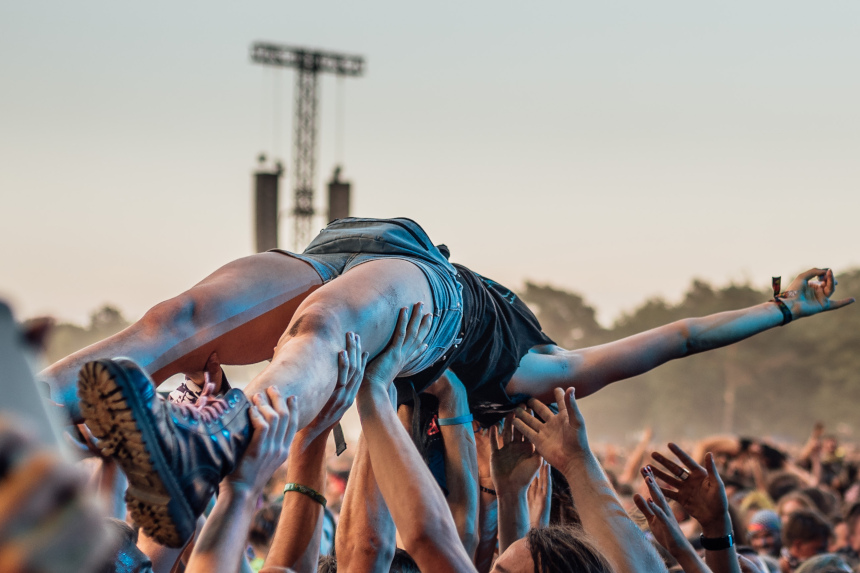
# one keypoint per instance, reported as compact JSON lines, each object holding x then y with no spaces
{"x":617,"y":149}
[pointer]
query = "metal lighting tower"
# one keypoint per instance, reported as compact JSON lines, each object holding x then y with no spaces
{"x":308,"y":63}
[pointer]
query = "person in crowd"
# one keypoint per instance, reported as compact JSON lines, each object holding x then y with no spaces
{"x":260,"y":535}
{"x":128,"y":557}
{"x":764,"y":530}
{"x":562,"y":441}
{"x":826,"y":563}
{"x":805,"y":534}
{"x":297,"y":538}
{"x":296,"y":308}
{"x":49,"y":521}
{"x":791,"y":502}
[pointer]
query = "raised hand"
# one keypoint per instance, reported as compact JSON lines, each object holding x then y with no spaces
{"x":561,"y":438}
{"x":350,"y":372}
{"x":540,"y":497}
{"x":664,"y":526}
{"x":661,"y":518}
{"x":699,"y":490}
{"x":274,"y":421}
{"x":406,"y":343}
{"x":810,"y":293}
{"x":513,"y":465}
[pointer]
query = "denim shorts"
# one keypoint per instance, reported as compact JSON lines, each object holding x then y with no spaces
{"x":346,"y":243}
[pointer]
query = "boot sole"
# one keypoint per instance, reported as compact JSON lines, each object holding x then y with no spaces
{"x":115,"y":413}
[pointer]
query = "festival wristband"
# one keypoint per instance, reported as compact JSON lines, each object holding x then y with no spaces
{"x":783,"y":308}
{"x":717,"y":543}
{"x":455,"y":421}
{"x":310,"y":492}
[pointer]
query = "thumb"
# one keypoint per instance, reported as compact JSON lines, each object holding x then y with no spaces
{"x":834,"y":304}
{"x":711,"y":465}
{"x":573,"y":413}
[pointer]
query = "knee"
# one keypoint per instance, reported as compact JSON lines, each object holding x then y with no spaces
{"x":317,"y":320}
{"x":177,"y":316}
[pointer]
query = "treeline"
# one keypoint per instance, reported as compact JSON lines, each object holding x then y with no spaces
{"x":775,"y":384}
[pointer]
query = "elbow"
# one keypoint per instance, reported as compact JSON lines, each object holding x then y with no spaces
{"x":686,"y":339}
{"x":358,"y":554}
{"x":470,"y":541}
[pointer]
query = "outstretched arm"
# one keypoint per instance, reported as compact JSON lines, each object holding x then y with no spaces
{"x":461,"y":456}
{"x":416,"y":503}
{"x":296,"y":540}
{"x":365,"y":538}
{"x":222,"y":540}
{"x":562,"y":441}
{"x":590,"y":369}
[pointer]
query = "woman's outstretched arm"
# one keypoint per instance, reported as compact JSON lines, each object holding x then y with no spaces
{"x":590,"y":369}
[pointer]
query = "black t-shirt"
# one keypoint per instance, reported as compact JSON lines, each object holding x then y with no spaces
{"x":498,"y":330}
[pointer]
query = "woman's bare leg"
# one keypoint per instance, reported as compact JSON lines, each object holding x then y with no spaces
{"x":240,"y":311}
{"x":366,"y":300}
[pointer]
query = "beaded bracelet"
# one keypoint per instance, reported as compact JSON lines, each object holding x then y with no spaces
{"x":310,"y":492}
{"x":488,"y":490}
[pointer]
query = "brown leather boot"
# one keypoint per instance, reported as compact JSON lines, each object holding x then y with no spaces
{"x":173,"y":455}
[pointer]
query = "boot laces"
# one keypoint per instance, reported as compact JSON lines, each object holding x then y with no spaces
{"x":208,"y":406}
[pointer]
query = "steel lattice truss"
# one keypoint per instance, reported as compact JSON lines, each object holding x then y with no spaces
{"x":308,"y":63}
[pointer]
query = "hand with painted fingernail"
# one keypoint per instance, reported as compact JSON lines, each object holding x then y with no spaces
{"x":698,"y":489}
{"x":664,"y":527}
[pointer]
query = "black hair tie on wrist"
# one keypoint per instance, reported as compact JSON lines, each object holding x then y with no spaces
{"x":783,"y":308}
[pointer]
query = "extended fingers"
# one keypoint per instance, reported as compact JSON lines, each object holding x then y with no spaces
{"x":811,"y":274}
{"x":527,"y":419}
{"x":643,"y":506}
{"x":529,"y":434}
{"x":413,"y":326}
{"x":672,"y":480}
{"x":711,"y":465}
{"x":508,"y":435}
{"x":654,"y":489}
{"x":282,"y":413}
{"x":686,"y":459}
{"x":399,"y":328}
{"x":353,"y":347}
{"x":354,"y":383}
{"x":675,"y":471}
{"x":541,"y":409}
{"x":342,"y":369}
{"x":573,"y":413}
{"x":260,"y":425}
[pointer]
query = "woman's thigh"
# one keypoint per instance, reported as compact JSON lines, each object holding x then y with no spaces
{"x":239,"y":311}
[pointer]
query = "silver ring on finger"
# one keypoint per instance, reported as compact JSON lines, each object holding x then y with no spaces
{"x":683,"y":475}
